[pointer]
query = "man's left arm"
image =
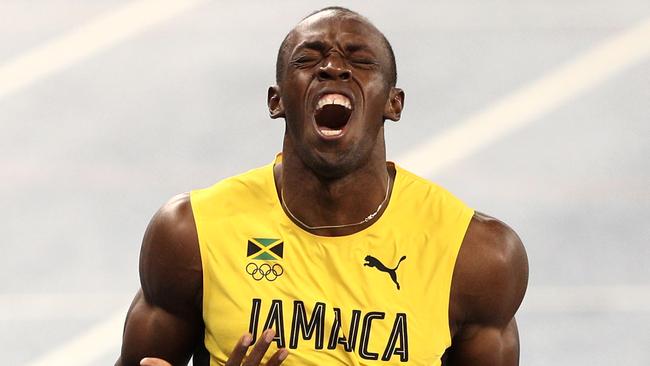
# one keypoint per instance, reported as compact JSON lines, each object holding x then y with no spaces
{"x":488,"y":285}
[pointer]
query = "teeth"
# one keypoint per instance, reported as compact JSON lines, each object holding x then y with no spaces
{"x":337,"y":99}
{"x":328,"y":132}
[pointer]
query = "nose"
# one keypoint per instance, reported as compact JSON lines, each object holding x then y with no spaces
{"x":334,"y":68}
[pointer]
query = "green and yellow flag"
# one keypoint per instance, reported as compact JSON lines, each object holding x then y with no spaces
{"x":265,"y":249}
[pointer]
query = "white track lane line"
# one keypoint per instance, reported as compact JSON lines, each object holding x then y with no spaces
{"x":46,"y":307}
{"x":527,"y":104}
{"x":87,"y":40}
{"x":508,"y":114}
{"x":86,"y":348}
{"x":587,"y":299}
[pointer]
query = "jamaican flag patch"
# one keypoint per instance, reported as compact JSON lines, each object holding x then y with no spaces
{"x":265,"y":249}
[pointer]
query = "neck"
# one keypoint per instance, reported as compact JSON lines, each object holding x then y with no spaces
{"x":316,"y":201}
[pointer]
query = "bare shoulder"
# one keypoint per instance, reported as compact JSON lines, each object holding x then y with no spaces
{"x":164,"y":319}
{"x":491,"y":274}
{"x":170,"y":261}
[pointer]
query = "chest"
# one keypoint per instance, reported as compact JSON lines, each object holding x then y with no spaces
{"x":374,"y":299}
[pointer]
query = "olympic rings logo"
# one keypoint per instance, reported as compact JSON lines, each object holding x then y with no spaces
{"x":265,"y":270}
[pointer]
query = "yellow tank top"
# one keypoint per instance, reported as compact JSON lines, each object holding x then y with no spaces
{"x":379,"y":296}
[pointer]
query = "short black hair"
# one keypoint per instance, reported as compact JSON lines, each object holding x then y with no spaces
{"x":282,"y":51}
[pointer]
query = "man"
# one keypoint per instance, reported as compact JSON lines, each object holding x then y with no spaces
{"x":330,"y":255}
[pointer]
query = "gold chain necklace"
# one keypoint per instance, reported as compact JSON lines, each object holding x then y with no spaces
{"x":364,"y":221}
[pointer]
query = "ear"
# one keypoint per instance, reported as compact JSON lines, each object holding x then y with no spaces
{"x":274,"y":101}
{"x":394,"y":104}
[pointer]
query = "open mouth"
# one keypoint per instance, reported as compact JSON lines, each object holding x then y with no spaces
{"x":333,"y":112}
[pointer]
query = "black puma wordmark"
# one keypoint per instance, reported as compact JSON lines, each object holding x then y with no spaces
{"x":376,"y":263}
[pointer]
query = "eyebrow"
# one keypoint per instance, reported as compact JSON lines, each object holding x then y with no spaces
{"x":313,"y":45}
{"x":354,"y":47}
{"x":321,"y":46}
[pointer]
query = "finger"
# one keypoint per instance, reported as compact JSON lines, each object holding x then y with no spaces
{"x":278,"y":357}
{"x":239,"y":351}
{"x":261,"y":346}
{"x":151,"y":361}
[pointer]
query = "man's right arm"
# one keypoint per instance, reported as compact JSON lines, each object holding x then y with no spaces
{"x":165,"y":317}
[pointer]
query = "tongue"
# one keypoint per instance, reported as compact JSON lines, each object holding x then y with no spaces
{"x":332,"y":116}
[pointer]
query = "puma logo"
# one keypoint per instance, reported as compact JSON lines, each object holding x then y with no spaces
{"x":376,"y":263}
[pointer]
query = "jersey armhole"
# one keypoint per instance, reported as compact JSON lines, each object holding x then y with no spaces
{"x":198,"y":222}
{"x":464,"y":220}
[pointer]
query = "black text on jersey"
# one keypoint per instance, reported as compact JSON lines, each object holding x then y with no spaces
{"x":305,"y":327}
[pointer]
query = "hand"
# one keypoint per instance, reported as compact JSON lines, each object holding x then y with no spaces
{"x":239,"y":352}
{"x":150,"y":361}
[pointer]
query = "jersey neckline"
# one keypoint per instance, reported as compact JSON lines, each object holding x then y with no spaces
{"x":285,"y":220}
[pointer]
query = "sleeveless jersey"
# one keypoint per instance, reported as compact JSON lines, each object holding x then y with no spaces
{"x":378,"y":296}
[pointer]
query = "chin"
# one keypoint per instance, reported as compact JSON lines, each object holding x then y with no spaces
{"x":334,"y":165}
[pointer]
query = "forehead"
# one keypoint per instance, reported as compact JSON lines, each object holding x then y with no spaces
{"x":336,"y":27}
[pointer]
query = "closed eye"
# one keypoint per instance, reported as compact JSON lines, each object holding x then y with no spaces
{"x":364,"y":62}
{"x":303,"y":61}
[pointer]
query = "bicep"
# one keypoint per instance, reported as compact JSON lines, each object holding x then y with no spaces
{"x":151,"y":331}
{"x":488,"y":285}
{"x":165,"y":318}
{"x":485,"y":346}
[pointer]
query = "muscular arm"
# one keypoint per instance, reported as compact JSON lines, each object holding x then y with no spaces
{"x":488,"y":285}
{"x":165,"y":317}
